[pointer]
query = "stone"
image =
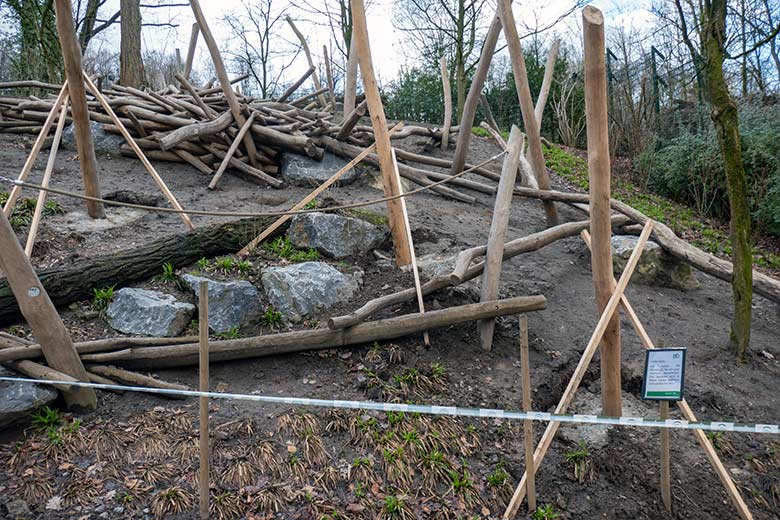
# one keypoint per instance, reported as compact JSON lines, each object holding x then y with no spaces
{"x":655,"y":267}
{"x":232,"y":304}
{"x":596,"y":436}
{"x":301,"y":290}
{"x":333,"y":235}
{"x":300,"y":170}
{"x":19,"y":400}
{"x":105,"y":143}
{"x":150,"y":313}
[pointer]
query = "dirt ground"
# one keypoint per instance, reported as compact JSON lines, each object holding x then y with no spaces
{"x":135,"y":457}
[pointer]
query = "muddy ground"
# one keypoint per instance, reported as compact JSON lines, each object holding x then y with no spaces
{"x":135,"y":457}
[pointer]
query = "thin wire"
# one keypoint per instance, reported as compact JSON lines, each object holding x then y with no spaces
{"x":244,"y":214}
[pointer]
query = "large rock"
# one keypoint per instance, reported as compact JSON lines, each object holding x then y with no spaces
{"x":301,"y":290}
{"x":300,"y":170}
{"x":655,"y":267}
{"x":334,"y":235}
{"x":19,"y":400}
{"x":151,"y":313}
{"x":105,"y":143}
{"x":231,"y":304}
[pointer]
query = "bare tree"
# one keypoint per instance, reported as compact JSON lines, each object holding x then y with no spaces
{"x":261,"y":51}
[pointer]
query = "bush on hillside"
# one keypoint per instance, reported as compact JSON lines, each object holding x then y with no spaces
{"x":689,"y":168}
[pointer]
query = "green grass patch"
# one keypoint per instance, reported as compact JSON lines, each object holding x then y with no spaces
{"x":369,"y":216}
{"x":282,"y":248}
{"x":23,"y":212}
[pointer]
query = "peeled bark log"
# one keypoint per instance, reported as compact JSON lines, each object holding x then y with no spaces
{"x":76,"y":281}
{"x":196,"y":131}
{"x":304,"y":340}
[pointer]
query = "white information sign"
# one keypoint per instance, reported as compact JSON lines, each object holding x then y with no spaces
{"x":664,"y":375}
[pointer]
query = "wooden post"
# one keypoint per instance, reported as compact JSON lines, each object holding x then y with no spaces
{"x":224,"y":80}
{"x":329,"y":77}
{"x":36,"y":149}
{"x":38,"y":310}
{"x":203,"y":402}
{"x":71,"y":55}
{"x":582,"y":367}
{"x":350,"y":79}
{"x":445,"y":82}
{"x":179,"y":65}
{"x":191,"y":50}
{"x":231,"y":151}
{"x":600,"y":224}
{"x":483,"y":100}
{"x":491,"y":276}
{"x":314,"y":76}
{"x":55,"y":145}
{"x":292,"y":88}
{"x":379,"y":123}
{"x":535,"y":155}
{"x":137,"y":149}
{"x":472,"y":98}
{"x":666,"y":486}
{"x":549,"y":71}
{"x":415,"y":271}
{"x":528,"y":424}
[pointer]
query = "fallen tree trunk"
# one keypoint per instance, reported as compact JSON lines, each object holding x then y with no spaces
{"x":304,"y":340}
{"x":12,"y":350}
{"x":76,"y":281}
{"x":196,"y":130}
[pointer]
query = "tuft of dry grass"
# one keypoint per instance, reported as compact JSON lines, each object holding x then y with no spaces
{"x":172,"y":501}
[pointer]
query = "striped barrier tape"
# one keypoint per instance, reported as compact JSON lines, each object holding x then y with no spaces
{"x":454,"y":411}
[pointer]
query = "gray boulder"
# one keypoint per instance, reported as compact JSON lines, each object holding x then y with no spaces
{"x":334,"y":235}
{"x":19,"y":400}
{"x":231,"y":304}
{"x":300,"y":170}
{"x":656,"y":267}
{"x":301,"y":290}
{"x":151,"y":313}
{"x":105,"y":143}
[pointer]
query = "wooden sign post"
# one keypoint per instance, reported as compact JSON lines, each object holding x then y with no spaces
{"x":528,"y":424}
{"x":379,"y":123}
{"x":203,"y":402}
{"x":600,"y":223}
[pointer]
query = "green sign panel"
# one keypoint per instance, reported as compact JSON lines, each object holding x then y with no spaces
{"x":664,"y":374}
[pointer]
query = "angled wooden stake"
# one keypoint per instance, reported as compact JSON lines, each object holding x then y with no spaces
{"x":137,"y":149}
{"x":582,"y":367}
{"x":549,"y":70}
{"x":36,"y":149}
{"x":55,"y":145}
{"x":666,"y":485}
{"x":491,"y":276}
{"x":329,"y":77}
{"x":379,"y":123}
{"x":232,"y":150}
{"x":415,"y":271}
{"x":41,"y":315}
{"x":314,"y":76}
{"x":350,"y":79}
{"x":313,"y":195}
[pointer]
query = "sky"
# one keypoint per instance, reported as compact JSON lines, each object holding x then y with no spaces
{"x":387,"y":44}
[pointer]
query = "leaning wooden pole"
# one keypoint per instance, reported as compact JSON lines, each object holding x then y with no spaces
{"x":447,"y":90}
{"x":549,"y":71}
{"x":379,"y":123}
{"x":314,"y":76}
{"x":39,"y":311}
{"x":191,"y":50}
{"x":224,"y":80}
{"x":350,"y":79}
{"x":71,"y":55}
{"x":600,"y":227}
{"x":329,"y":77}
{"x":535,"y":155}
{"x":491,"y":276}
{"x":472,"y":98}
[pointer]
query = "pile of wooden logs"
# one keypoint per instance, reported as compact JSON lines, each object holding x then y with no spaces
{"x":197,"y":126}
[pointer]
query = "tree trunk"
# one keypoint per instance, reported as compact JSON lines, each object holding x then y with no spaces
{"x":76,"y":281}
{"x":724,"y":116}
{"x":131,"y":65}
